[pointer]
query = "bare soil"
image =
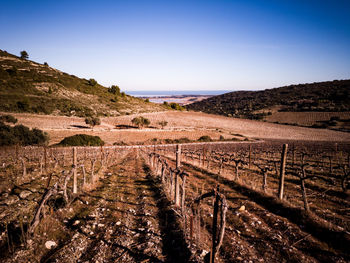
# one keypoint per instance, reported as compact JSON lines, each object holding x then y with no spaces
{"x":180,"y":124}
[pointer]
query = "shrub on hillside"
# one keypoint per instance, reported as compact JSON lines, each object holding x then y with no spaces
{"x":21,"y":135}
{"x":92,"y":82}
{"x":176,"y":106}
{"x":8,"y":119}
{"x":92,"y":121}
{"x":114,"y":89}
{"x":204,"y":138}
{"x":82,"y":140}
{"x":140,"y":121}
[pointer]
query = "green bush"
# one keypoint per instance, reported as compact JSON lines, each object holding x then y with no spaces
{"x":176,"y":106}
{"x":93,"y":121}
{"x":82,"y":140}
{"x":8,"y":119}
{"x":21,"y":135}
{"x":182,"y":140}
{"x":204,"y":138}
{"x":92,"y":82}
{"x":140,"y":121}
{"x":114,"y":89}
{"x":163,"y":123}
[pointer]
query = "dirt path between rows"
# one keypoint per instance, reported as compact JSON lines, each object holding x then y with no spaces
{"x":126,"y":219}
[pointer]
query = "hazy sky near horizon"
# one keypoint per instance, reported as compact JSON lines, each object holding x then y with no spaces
{"x":184,"y":45}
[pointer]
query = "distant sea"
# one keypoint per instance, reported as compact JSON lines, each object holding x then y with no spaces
{"x":164,"y":93}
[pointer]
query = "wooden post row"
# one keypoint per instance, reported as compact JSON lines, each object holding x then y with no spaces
{"x":282,"y":171}
{"x":215,"y":222}
{"x":75,"y":186}
{"x":178,"y":156}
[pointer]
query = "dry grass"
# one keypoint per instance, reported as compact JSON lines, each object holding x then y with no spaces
{"x":305,"y":118}
{"x":180,"y":124}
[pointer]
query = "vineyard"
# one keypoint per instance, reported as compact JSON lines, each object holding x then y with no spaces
{"x":272,"y":201}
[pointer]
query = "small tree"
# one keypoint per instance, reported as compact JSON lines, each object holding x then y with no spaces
{"x":92,"y":121}
{"x":45,"y":64}
{"x":114,"y":89}
{"x":24,"y":55}
{"x":140,"y":121}
{"x":163,"y":124}
{"x":92,"y":82}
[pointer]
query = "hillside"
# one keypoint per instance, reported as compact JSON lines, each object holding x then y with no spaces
{"x":27,"y":86}
{"x":323,"y":97}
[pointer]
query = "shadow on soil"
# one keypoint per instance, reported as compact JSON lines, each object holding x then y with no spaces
{"x":335,"y":238}
{"x":174,"y":244}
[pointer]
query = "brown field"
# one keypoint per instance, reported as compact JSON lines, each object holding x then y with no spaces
{"x":308,"y":118}
{"x":180,"y":124}
{"x":128,"y":213}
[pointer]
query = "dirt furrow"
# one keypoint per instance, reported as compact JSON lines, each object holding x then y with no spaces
{"x":271,"y":238}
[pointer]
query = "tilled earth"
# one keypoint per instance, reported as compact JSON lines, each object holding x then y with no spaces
{"x":128,"y":218}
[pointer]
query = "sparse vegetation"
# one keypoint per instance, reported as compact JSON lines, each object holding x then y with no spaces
{"x":26,"y":86}
{"x":205,"y":138}
{"x":82,"y":140}
{"x":140,"y":121}
{"x":8,"y":119}
{"x":114,"y":89}
{"x":92,"y":121}
{"x":24,"y":55}
{"x":21,"y":135}
{"x":163,"y":124}
{"x":92,"y":82}
{"x":331,"y":96}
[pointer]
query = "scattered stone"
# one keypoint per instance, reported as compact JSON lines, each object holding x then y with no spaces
{"x":50,"y":244}
{"x":204,"y":252}
{"x":11,"y":199}
{"x":76,"y":222}
{"x":118,"y":223}
{"x":242,"y":208}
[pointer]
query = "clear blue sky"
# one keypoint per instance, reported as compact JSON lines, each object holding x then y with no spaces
{"x":184,"y":45}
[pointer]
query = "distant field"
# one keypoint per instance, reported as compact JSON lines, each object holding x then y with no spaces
{"x":180,"y":124}
{"x":180,"y":99}
{"x":311,"y":118}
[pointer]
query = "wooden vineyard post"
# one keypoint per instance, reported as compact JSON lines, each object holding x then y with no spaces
{"x":191,"y":228}
{"x":171,"y":183}
{"x":16,"y":149}
{"x":177,"y":189}
{"x":45,"y":159}
{"x":250,"y":155}
{"x":282,"y":171}
{"x":178,"y":156}
{"x":215,"y":222}
{"x":75,"y":187}
{"x":102,"y":157}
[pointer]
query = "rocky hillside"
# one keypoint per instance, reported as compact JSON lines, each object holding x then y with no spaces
{"x":27,"y":86}
{"x":331,"y":96}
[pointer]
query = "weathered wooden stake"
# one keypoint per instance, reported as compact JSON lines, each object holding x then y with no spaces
{"x":191,"y":228}
{"x":177,"y":189}
{"x":178,"y":156}
{"x":24,"y":167}
{"x":264,"y":184}
{"x":183,"y":194}
{"x":215,"y":222}
{"x":75,"y":175}
{"x":282,"y":171}
{"x":45,"y":159}
{"x":250,"y":155}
